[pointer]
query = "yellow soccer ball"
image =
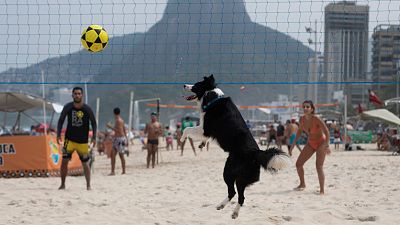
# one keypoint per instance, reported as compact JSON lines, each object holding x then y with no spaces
{"x":94,"y":38}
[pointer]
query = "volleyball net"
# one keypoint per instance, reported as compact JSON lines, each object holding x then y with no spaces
{"x":312,"y":49}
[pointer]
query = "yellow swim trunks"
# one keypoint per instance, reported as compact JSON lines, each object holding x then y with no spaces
{"x":81,"y":148}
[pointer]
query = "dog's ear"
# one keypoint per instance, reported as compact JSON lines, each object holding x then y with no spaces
{"x":212,"y":80}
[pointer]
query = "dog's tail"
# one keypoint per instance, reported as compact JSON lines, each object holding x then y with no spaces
{"x":273,"y":159}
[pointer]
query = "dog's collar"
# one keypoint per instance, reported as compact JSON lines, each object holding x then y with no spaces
{"x":205,"y":107}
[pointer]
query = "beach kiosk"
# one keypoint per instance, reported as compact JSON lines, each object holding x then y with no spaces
{"x":28,"y":154}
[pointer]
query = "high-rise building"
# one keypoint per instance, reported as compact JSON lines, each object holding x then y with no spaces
{"x":346,"y":45}
{"x":385,"y":55}
{"x":315,"y":71}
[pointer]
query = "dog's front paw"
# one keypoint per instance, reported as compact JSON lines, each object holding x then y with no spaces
{"x":223,"y":203}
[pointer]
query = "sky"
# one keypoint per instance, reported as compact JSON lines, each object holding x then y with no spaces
{"x":34,"y":30}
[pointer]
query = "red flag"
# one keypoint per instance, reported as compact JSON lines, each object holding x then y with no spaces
{"x":374,"y":98}
{"x":360,"y":109}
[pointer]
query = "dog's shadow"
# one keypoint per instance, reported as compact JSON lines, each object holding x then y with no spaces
{"x":281,"y":192}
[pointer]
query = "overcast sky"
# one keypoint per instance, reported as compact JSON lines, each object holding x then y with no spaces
{"x":33,"y":30}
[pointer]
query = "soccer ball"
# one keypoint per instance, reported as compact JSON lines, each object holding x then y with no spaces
{"x":94,"y":38}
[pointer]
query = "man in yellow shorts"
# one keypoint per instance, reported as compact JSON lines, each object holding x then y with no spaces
{"x":77,"y":134}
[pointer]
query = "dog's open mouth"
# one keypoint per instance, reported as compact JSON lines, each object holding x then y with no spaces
{"x":191,"y":97}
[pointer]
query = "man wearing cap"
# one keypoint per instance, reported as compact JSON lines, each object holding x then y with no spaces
{"x":153,"y":131}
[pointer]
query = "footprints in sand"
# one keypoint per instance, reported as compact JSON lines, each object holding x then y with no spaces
{"x":287,"y":218}
{"x":14,"y":203}
{"x":367,"y":218}
{"x":279,"y":219}
{"x":363,"y":218}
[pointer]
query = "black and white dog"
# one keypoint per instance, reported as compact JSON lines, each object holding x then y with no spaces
{"x":221,"y":120}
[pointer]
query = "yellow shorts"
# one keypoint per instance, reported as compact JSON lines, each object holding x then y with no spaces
{"x":81,"y":148}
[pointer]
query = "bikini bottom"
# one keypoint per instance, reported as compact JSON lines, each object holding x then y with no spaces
{"x":316,"y":143}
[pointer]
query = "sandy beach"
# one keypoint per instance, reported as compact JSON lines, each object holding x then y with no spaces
{"x":362,"y":187}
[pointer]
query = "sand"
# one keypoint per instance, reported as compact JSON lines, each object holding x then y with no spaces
{"x":362,"y":187}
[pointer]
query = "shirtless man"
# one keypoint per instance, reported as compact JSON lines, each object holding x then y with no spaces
{"x":280,"y":134}
{"x":120,"y":140}
{"x":292,"y":130}
{"x":153,"y":131}
{"x":271,"y":135}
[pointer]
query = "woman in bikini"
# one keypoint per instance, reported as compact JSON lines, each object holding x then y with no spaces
{"x":318,"y":141}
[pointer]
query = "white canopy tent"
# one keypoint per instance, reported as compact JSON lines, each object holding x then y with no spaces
{"x":20,"y":102}
{"x":392,"y":101}
{"x":381,"y":114}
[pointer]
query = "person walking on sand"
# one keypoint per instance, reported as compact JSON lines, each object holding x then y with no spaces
{"x":336,"y":136}
{"x":287,"y":134}
{"x":318,"y":142}
{"x":168,"y":139}
{"x":280,"y":135}
{"x":178,"y":134}
{"x":292,"y":129}
{"x":271,"y":135}
{"x":77,"y":134}
{"x":153,"y":131}
{"x":120,"y":141}
{"x":187,"y":123}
